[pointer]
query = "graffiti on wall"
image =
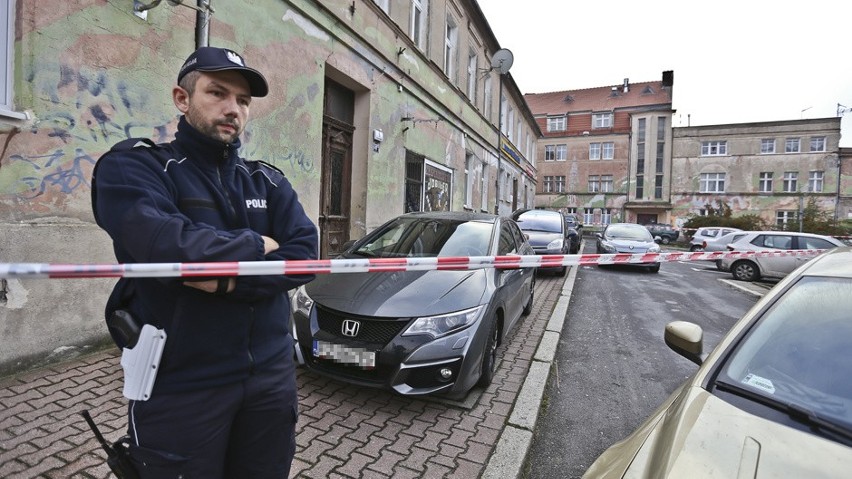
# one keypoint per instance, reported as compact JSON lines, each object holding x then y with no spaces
{"x":88,"y":113}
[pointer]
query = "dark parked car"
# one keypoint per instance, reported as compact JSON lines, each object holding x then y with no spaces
{"x":627,"y":238}
{"x":417,"y":332}
{"x":547,"y":233}
{"x":575,"y":221}
{"x":663,"y":233}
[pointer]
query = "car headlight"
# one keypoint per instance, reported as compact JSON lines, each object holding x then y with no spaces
{"x":608,"y":247}
{"x":555,"y":244}
{"x":654,"y":249}
{"x":302,"y":303}
{"x":437,"y":326}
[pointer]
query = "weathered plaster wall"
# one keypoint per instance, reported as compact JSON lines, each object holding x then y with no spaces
{"x":90,"y":73}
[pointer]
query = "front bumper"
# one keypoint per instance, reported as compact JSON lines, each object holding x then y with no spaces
{"x":408,"y":365}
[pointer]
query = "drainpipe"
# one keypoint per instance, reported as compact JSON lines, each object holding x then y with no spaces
{"x":202,"y":24}
{"x":499,"y":143}
{"x":837,"y":199}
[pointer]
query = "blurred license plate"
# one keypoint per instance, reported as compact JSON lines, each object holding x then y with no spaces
{"x":345,"y":354}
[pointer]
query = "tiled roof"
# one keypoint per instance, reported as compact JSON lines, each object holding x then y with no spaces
{"x":599,"y":99}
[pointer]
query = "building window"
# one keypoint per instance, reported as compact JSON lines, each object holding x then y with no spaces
{"x":483,"y":198}
{"x":712,"y":183}
{"x":791,"y":181}
{"x":383,"y":4}
{"x":594,"y":151}
{"x":419,"y":10}
{"x":561,"y":152}
{"x":767,"y":146}
{"x":714,"y":148}
{"x":606,"y":216}
{"x":594,"y":183}
{"x":818,"y":143}
{"x":792,"y":145}
{"x":764,"y":184}
{"x":472,"y":67}
{"x":554,"y":184}
{"x":487,"y":97}
{"x":556,"y":123}
{"x":640,"y":159}
{"x":427,"y":184}
{"x":815,"y":181}
{"x":588,"y":216}
{"x":608,"y":150}
{"x":7,"y":34}
{"x":468,"y":180}
{"x":450,"y":49}
{"x":784,"y":217}
{"x":550,"y":153}
{"x":602,"y":120}
{"x":606,"y":183}
{"x":658,"y":187}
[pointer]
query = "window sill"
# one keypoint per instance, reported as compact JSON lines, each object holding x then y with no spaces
{"x":15,"y":115}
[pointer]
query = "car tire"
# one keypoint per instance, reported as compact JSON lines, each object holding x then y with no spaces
{"x":528,"y":307}
{"x":665,"y":240}
{"x":695,"y":247}
{"x":562,"y":271}
{"x":655,"y":268}
{"x":745,"y":271}
{"x":489,"y":355}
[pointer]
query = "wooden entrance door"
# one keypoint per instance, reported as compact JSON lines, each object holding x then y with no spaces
{"x":336,"y":181}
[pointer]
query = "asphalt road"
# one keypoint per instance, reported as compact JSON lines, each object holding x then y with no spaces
{"x":613,"y":368}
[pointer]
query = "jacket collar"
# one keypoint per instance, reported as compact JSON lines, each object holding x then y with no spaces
{"x":198,"y":147}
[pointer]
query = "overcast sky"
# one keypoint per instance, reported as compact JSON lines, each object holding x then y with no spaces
{"x":734,"y":61}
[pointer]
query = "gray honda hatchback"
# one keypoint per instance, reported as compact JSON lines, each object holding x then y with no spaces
{"x":417,"y":332}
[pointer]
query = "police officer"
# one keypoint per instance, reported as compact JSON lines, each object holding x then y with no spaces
{"x":224,"y":402}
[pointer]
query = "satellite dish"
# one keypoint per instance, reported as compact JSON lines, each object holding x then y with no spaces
{"x":502,"y":61}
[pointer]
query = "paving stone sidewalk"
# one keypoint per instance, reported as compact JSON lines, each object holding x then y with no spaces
{"x":343,"y":432}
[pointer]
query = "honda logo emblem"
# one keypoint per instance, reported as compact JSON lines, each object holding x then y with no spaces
{"x":350,"y":328}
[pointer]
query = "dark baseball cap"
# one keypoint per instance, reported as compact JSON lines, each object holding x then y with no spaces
{"x":213,"y":59}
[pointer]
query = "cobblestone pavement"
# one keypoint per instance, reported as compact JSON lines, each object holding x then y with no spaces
{"x":344,"y":431}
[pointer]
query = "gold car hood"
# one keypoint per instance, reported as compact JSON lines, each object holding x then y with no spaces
{"x":699,"y":435}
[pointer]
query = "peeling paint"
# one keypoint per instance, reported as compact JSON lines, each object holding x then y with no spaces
{"x":16,"y":294}
{"x":305,"y":25}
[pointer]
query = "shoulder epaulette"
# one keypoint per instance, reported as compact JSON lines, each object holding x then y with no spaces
{"x":131,"y":143}
{"x":271,"y":167}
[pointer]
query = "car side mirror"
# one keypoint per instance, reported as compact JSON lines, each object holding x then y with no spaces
{"x":686,"y":339}
{"x":598,"y":235}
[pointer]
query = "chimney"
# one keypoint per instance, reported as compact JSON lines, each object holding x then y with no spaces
{"x":626,"y":85}
{"x":668,"y":78}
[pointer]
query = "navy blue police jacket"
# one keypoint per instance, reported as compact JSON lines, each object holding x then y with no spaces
{"x":195,"y":200}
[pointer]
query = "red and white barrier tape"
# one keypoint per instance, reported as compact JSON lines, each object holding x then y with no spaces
{"x":367,"y":265}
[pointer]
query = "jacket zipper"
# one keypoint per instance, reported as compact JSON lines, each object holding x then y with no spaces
{"x":251,"y":334}
{"x":232,"y":212}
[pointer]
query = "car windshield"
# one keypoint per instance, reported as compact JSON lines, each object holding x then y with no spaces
{"x":625,"y":232}
{"x":539,"y":222}
{"x":799,"y":354}
{"x":428,"y":237}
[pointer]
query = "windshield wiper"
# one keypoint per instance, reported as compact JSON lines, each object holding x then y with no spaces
{"x":796,"y":412}
{"x":816,"y":421}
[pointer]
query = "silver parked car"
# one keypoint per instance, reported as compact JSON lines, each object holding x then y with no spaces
{"x":773,"y":399}
{"x":628,"y":238}
{"x":417,"y":332}
{"x":708,"y":233}
{"x":754,"y":268}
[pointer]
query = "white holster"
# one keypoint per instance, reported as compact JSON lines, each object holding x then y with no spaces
{"x":141,"y":363}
